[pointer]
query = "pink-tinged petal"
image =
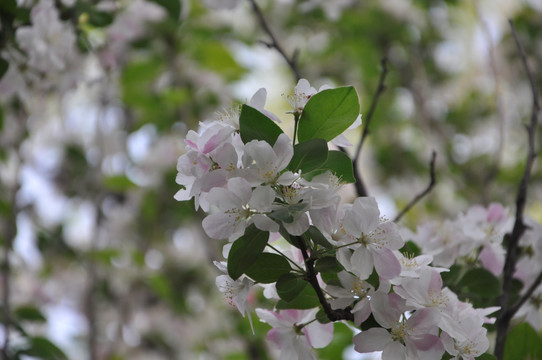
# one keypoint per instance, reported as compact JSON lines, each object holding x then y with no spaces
{"x":361,"y":311}
{"x":424,"y":321}
{"x":384,"y":311}
{"x":495,"y":213}
{"x":386,"y":264}
{"x":274,"y":335}
{"x":362,"y":262}
{"x":395,"y":351}
{"x":374,"y":339}
{"x":218,"y":135}
{"x":269,"y":317}
{"x":319,"y":335}
{"x":429,"y":347}
{"x":492,"y":257}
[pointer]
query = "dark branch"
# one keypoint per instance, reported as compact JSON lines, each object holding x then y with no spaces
{"x":379,"y":90}
{"x":512,"y":239}
{"x":514,"y":309}
{"x":361,"y":189}
{"x":333,"y":315}
{"x":432,"y":182}
{"x":274,"y":43}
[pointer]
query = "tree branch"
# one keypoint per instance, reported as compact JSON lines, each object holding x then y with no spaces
{"x":512,"y":239}
{"x":361,"y":189}
{"x":333,"y":315}
{"x":514,"y":309}
{"x":274,"y":43}
{"x":379,"y":90}
{"x":9,"y":235}
{"x":432,"y":182}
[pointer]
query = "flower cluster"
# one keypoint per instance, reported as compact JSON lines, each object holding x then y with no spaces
{"x":276,"y":200}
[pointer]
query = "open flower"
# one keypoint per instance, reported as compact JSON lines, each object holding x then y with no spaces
{"x":294,"y":332}
{"x":372,"y":242}
{"x":415,"y":337}
{"x":235,"y":291}
{"x":238,"y":206}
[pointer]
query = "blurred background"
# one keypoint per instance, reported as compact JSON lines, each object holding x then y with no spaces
{"x":100,"y":262}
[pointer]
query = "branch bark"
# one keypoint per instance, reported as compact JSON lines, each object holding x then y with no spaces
{"x":512,"y":239}
{"x":333,"y":315}
{"x":432,"y":182}
{"x":361,"y":189}
{"x":274,"y":43}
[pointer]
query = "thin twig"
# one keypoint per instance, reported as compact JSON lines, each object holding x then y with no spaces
{"x":333,"y":315}
{"x":11,"y":231}
{"x":379,"y":90}
{"x":432,"y":182}
{"x":513,"y":238}
{"x":361,"y":189}
{"x":493,"y":170}
{"x":274,"y":44}
{"x":514,"y":309}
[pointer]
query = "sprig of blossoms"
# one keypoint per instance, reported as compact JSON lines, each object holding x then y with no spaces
{"x":252,"y":180}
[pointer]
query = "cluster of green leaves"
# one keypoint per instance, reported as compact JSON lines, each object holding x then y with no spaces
{"x":326,"y":115}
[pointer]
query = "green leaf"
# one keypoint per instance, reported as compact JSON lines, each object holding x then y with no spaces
{"x":306,"y":299}
{"x":289,"y":286}
{"x":321,"y":317}
{"x":410,"y":249}
{"x":245,"y":251}
{"x":253,"y":125}
{"x":318,"y":237}
{"x":374,"y":279}
{"x":293,"y":240}
{"x":328,"y":264}
{"x":29,"y":313}
{"x":173,"y":8}
{"x":309,"y":155}
{"x":339,"y":164}
{"x":43,"y":348}
{"x":523,"y":342}
{"x":268,"y":268}
{"x":214,"y":55}
{"x":481,"y":282}
{"x":486,"y":356}
{"x":118,"y":183}
{"x":4,"y":65}
{"x":281,"y":214}
{"x":328,"y":113}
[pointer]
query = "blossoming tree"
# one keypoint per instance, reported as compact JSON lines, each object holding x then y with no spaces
{"x":325,"y":250}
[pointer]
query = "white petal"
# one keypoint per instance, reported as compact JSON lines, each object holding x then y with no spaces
{"x":262,"y":198}
{"x":374,"y":339}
